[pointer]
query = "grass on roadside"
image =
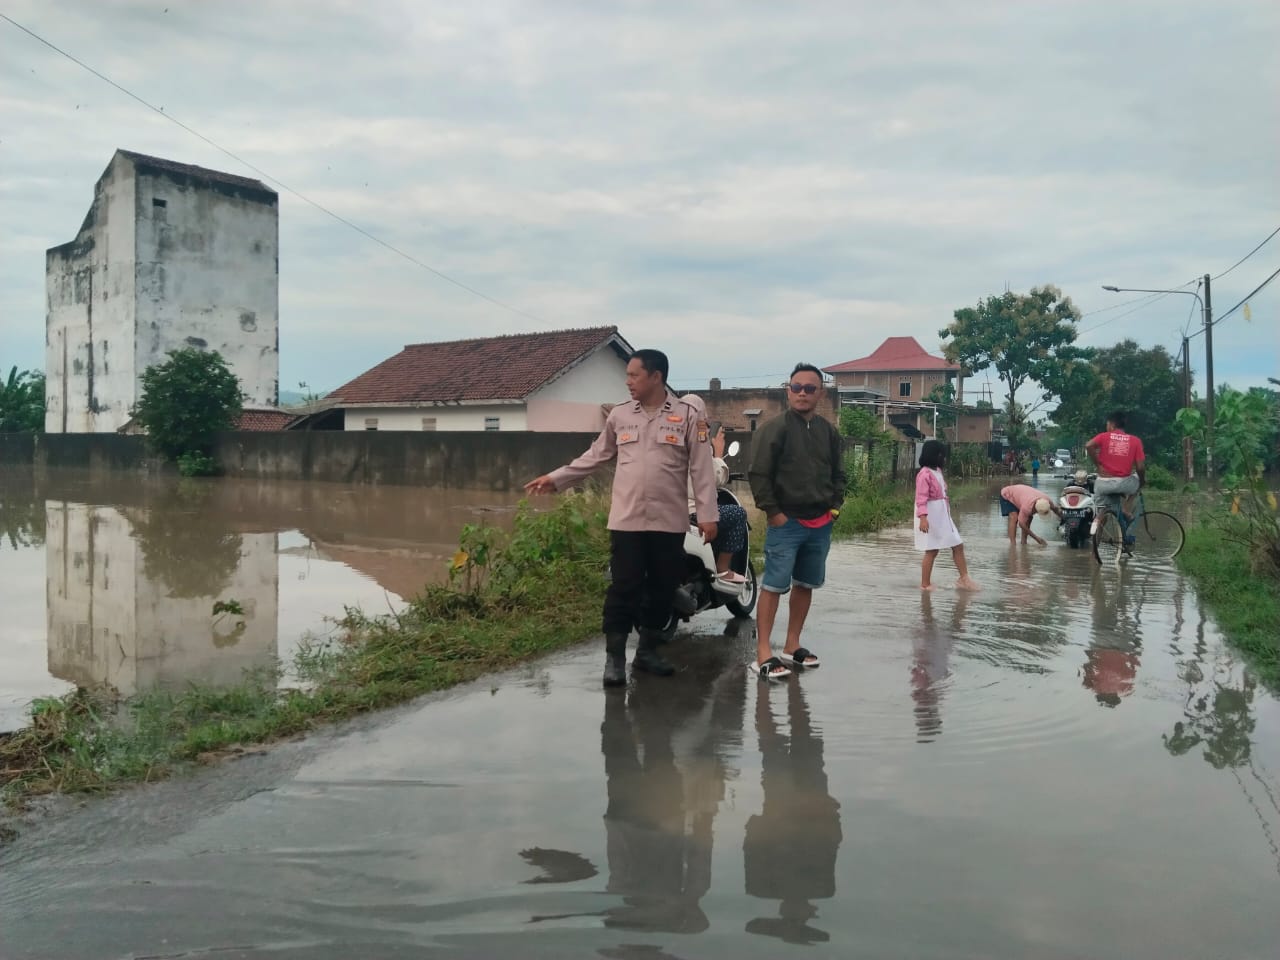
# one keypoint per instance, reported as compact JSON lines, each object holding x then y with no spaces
{"x":510,"y":597}
{"x":1245,"y":603}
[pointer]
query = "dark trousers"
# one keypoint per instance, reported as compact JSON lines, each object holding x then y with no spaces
{"x":646,"y":567}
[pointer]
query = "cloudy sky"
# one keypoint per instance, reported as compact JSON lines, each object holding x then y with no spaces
{"x":743,"y":184}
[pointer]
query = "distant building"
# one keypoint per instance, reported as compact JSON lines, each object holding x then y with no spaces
{"x":896,"y":381}
{"x":560,"y":380}
{"x":169,"y":256}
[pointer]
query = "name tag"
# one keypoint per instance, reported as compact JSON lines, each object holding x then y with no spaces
{"x":675,"y":418}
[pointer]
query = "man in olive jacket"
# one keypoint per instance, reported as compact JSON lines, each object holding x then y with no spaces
{"x":797,"y":479}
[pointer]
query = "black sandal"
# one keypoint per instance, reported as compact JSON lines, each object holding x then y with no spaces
{"x":800,"y":657}
{"x":771,"y":669}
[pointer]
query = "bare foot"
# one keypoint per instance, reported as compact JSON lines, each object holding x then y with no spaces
{"x":928,"y":586}
{"x":967,"y":583}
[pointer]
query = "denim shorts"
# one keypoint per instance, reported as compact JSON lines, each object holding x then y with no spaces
{"x":795,"y":555}
{"x":1007,"y":507}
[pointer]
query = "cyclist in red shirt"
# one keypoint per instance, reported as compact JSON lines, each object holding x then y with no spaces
{"x":1122,"y":463}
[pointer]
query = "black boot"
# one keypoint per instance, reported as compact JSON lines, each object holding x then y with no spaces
{"x":647,"y":657}
{"x":615,"y":659}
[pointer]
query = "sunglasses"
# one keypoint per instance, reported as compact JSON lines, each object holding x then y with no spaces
{"x":803,"y":387}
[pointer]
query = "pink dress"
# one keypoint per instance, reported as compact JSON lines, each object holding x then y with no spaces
{"x":931,"y":501}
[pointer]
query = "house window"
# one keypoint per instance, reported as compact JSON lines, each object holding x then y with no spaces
{"x":428,"y":423}
{"x":158,"y":202}
{"x":491,"y":424}
{"x":904,"y":388}
{"x":371,"y":423}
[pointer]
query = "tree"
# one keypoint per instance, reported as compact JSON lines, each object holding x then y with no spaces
{"x":186,"y":401}
{"x":22,"y":402}
{"x":1026,"y":337}
{"x":1146,"y":384}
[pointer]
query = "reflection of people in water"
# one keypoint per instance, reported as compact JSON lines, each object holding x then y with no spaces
{"x":1113,"y":655}
{"x":789,"y":853}
{"x":665,"y":775}
{"x":930,"y":664}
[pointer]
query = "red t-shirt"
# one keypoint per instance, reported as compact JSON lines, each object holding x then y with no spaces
{"x":1118,"y":453}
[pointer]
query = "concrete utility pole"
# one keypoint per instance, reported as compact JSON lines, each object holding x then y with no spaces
{"x":1208,"y":374}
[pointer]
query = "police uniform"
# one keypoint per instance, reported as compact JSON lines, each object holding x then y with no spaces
{"x":657,"y":455}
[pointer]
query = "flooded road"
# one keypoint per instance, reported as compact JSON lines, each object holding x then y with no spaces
{"x":113,"y":582}
{"x":1069,"y":764}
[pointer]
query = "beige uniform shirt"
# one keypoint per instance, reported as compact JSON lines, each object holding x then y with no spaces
{"x":657,"y":457}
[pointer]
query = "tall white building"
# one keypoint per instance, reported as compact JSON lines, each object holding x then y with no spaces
{"x":169,"y":256}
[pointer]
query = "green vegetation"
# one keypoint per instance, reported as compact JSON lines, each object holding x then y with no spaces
{"x":1025,"y":337}
{"x":1245,"y":602}
{"x":186,"y":401}
{"x":509,"y":597}
{"x":22,"y":402}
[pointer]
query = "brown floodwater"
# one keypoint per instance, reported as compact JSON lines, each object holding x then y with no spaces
{"x":1069,"y":764}
{"x":111,"y":581}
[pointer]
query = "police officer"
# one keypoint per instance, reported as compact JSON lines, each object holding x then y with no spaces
{"x":660,"y":441}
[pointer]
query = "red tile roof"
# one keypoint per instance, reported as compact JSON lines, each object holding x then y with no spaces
{"x":896,"y":353}
{"x":494,"y":368}
{"x":263,"y":421}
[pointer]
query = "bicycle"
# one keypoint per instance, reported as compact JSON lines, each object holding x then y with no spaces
{"x":1152,"y":533}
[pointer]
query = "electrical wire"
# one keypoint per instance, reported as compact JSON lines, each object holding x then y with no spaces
{"x":266,"y":176}
{"x":1249,"y":254}
{"x":1247,"y":297}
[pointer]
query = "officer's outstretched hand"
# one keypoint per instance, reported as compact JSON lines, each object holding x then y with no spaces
{"x":709,"y":531}
{"x":543,"y":484}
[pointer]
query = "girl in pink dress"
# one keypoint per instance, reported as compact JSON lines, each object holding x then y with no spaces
{"x":935,"y":529}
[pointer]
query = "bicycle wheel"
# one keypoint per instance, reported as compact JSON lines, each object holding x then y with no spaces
{"x":1157,"y":535}
{"x":1107,"y":539}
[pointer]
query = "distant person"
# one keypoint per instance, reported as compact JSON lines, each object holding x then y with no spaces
{"x":1035,"y":468}
{"x":1020,"y":502}
{"x":935,"y":529}
{"x":797,"y":479}
{"x":660,"y":443}
{"x":1122,"y":463}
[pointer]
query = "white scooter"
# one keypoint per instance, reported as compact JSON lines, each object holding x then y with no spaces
{"x":701,"y":589}
{"x":1078,"y":511}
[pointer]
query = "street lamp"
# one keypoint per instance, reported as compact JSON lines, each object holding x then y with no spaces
{"x":1206,"y":313}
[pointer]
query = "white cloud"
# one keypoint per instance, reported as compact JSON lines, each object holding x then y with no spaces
{"x":744,"y":184}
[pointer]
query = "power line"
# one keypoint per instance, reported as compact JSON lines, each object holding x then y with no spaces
{"x":1249,"y":254}
{"x":266,"y":176}
{"x":1217,"y":320}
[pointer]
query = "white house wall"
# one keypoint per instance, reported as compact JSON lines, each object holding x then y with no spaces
{"x":89,"y":283}
{"x":510,"y":417}
{"x":573,"y":402}
{"x":207,"y":278}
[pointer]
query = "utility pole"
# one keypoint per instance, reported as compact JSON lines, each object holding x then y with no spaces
{"x":1188,"y":458}
{"x":1208,"y":373}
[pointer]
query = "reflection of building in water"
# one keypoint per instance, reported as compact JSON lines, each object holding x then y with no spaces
{"x":130,"y":603}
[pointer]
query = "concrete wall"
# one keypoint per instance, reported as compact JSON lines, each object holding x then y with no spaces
{"x":208,"y":277}
{"x":728,"y":406}
{"x":89,"y":284}
{"x":469,"y":417}
{"x":162,"y":261}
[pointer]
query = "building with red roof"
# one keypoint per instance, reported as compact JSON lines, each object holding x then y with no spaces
{"x":560,"y":380}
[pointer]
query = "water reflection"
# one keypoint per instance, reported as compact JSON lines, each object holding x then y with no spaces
{"x":931,"y":663}
{"x":1113,"y":653}
{"x":130,"y":597}
{"x":666,"y":766}
{"x":789,"y":853}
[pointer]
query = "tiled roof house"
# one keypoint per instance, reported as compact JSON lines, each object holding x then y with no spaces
{"x":560,"y":380}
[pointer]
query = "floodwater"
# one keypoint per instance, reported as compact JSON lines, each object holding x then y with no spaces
{"x":112,"y":582}
{"x":1069,"y":764}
